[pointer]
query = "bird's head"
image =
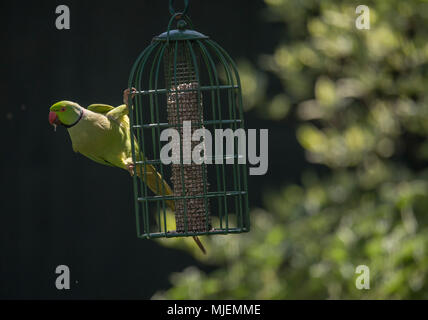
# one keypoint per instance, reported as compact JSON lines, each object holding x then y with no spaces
{"x":65,"y":113}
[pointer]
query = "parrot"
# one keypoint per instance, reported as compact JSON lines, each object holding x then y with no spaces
{"x":102,"y":133}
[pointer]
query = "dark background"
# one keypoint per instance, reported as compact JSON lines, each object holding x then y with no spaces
{"x":58,"y":207}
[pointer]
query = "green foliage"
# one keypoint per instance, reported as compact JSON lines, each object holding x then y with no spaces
{"x":360,"y":99}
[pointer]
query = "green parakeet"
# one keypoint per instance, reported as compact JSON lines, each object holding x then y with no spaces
{"x":102,"y":133}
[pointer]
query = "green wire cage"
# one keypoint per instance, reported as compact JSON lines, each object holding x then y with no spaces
{"x":183,"y":75}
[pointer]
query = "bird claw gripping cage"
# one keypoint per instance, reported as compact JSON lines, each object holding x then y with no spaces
{"x":185,"y":76}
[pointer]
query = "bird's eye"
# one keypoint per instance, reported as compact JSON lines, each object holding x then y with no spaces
{"x":63,"y":109}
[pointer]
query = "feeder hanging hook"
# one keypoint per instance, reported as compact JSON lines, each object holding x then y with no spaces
{"x":172,"y":10}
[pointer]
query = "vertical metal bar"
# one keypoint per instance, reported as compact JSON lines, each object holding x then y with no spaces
{"x":153,"y":133}
{"x":241,"y":115}
{"x":133,"y":78}
{"x":204,"y":172}
{"x":230,"y":82}
{"x":158,"y":134}
{"x":140,"y":138}
{"x":209,"y":64}
{"x":226,"y":211}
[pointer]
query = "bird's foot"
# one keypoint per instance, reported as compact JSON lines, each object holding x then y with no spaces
{"x":126,"y":94}
{"x":130,"y":168}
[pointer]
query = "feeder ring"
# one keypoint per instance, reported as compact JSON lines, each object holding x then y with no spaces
{"x":172,"y":10}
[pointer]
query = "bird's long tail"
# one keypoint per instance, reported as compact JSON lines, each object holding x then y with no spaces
{"x":200,"y":245}
{"x":159,"y":186}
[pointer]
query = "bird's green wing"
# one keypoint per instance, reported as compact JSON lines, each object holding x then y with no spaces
{"x":100,"y":108}
{"x":120,"y":114}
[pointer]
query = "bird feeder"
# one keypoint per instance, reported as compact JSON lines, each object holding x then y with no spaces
{"x":185,"y":77}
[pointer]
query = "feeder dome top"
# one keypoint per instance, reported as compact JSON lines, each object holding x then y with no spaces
{"x":180,"y":34}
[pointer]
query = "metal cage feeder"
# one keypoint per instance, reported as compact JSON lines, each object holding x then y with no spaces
{"x":183,"y":75}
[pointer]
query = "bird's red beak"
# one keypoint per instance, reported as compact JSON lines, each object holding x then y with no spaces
{"x":53,"y":118}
